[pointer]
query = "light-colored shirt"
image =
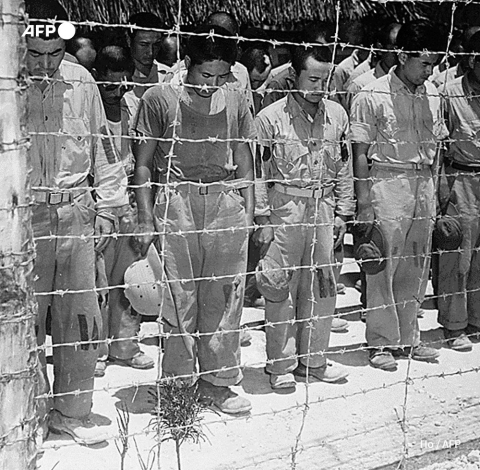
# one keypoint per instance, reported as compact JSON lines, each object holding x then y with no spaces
{"x":122,"y":137}
{"x":360,"y":69}
{"x":342,"y":73}
{"x":362,"y":81}
{"x":158,"y":74}
{"x":400,"y":126}
{"x":463,"y":121}
{"x":70,"y":138}
{"x":307,"y":152}
{"x":447,"y":76}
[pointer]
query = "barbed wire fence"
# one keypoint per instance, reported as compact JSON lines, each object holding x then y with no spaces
{"x":19,"y":366}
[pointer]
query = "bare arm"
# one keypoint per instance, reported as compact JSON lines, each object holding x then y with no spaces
{"x":244,"y":161}
{"x":144,"y":152}
{"x":362,"y":187}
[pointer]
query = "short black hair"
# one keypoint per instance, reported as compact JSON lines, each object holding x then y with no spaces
{"x":301,"y":54}
{"x":419,"y":35}
{"x":143,"y":20}
{"x":170,"y":48}
{"x":384,"y":35}
{"x":254,"y":58}
{"x":115,"y":59}
{"x":77,"y":43}
{"x":202,"y":49}
{"x":257,"y":38}
{"x":42,"y":10}
{"x":224,"y":20}
{"x":315,"y":30}
{"x":473,"y":45}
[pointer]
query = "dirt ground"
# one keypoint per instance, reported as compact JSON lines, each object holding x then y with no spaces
{"x":376,"y":419}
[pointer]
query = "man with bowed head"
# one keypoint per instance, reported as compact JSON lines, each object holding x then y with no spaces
{"x":303,"y":152}
{"x":396,"y":125}
{"x":69,"y":147}
{"x":203,"y":209}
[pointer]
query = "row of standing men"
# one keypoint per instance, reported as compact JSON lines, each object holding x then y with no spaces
{"x":299,"y":189}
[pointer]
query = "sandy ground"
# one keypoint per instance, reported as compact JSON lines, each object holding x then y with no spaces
{"x":372,"y":420}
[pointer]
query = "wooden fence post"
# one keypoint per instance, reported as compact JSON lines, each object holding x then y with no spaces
{"x":18,"y":355}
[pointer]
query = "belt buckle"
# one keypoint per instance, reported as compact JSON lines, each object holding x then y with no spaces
{"x":54,"y":198}
{"x":203,"y":190}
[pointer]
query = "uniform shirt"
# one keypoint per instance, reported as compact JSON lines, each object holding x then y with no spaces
{"x":361,"y":81}
{"x":463,"y":121}
{"x":345,"y":68}
{"x":122,"y":137}
{"x":70,"y":117}
{"x":158,"y":74}
{"x":195,"y":157}
{"x":447,"y":76}
{"x":364,"y":67}
{"x":401,"y":126}
{"x":307,"y":152}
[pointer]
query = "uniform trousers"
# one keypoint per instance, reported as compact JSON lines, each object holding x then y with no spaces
{"x":64,"y":265}
{"x":205,"y":257}
{"x":459,"y":271}
{"x":301,"y":323}
{"x":121,"y":323}
{"x":404,"y":206}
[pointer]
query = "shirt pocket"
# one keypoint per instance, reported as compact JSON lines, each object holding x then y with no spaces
{"x":292,"y":158}
{"x":75,"y":141}
{"x":390,"y":129}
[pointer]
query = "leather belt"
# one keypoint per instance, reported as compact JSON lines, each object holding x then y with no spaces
{"x":403,"y":166}
{"x":461,"y":167}
{"x":209,"y":188}
{"x":52,"y":198}
{"x":317,"y":193}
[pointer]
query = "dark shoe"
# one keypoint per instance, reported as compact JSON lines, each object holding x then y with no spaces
{"x":339,"y":324}
{"x":473,"y":332}
{"x":83,"y":431}
{"x":363,"y":315}
{"x":418,"y":353}
{"x":382,"y":359}
{"x":258,"y":302}
{"x":139,"y":361}
{"x":100,"y":368}
{"x":226,"y":400}
{"x":331,"y":372}
{"x":457,"y":340}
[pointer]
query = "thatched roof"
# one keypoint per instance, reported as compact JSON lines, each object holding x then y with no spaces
{"x":273,"y":13}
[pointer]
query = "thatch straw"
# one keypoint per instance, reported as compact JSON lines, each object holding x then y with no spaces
{"x":273,"y":13}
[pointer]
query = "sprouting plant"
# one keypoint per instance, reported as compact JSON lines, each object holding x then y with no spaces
{"x":178,"y":409}
{"x":145,"y":465}
{"x":123,"y":421}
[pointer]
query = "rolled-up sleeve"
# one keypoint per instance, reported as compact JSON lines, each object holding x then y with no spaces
{"x":363,"y":128}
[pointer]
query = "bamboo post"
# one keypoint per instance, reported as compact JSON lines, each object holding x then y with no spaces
{"x":18,"y":355}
